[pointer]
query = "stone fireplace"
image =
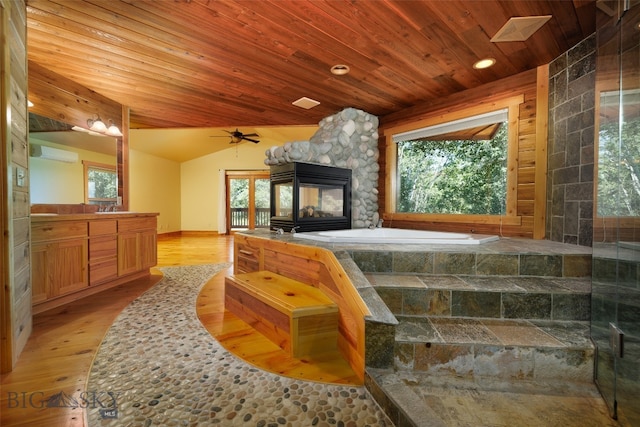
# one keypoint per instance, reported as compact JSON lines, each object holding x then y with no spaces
{"x":348,"y":139}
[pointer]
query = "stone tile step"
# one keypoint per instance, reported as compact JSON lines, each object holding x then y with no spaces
{"x":412,"y":398}
{"x":516,"y":284}
{"x":485,"y":297}
{"x":540,"y":333}
{"x":508,"y":257}
{"x":507,"y":349}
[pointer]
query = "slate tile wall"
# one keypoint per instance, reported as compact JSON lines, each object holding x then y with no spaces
{"x":571,"y":145}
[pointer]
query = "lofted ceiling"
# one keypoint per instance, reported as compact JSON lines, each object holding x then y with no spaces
{"x":235,"y":63}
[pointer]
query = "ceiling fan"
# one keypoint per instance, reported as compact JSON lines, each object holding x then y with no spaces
{"x":237,"y":136}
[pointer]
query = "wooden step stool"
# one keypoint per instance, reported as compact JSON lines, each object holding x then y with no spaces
{"x":297,"y":317}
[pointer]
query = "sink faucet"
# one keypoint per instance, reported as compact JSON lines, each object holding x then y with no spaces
{"x":293,"y":229}
{"x":380,"y":221}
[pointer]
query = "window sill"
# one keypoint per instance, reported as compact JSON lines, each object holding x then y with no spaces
{"x":453,"y":218}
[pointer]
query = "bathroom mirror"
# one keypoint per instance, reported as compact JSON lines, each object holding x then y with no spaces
{"x":57,"y":172}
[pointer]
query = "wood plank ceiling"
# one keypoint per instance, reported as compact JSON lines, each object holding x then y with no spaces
{"x":206,"y":63}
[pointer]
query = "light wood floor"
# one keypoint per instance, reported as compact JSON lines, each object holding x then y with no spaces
{"x":64,"y":341}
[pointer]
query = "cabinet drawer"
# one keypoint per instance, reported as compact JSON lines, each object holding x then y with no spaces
{"x":134,"y":224}
{"x":43,"y":231}
{"x":100,"y":228}
{"x":103,"y":271}
{"x":104,"y":246}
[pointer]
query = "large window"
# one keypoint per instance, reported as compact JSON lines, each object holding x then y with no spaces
{"x":101,"y":184}
{"x":458,"y":167}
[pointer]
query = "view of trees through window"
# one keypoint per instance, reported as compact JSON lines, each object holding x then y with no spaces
{"x":240,"y":193}
{"x":453,"y":176}
{"x":243,"y":201}
{"x":102,"y":185}
{"x":619,"y":169}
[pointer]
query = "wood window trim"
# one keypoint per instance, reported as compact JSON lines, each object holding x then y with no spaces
{"x":86,"y":165}
{"x":251,"y":175}
{"x":391,"y":156}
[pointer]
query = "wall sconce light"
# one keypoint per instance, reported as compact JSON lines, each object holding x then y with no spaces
{"x":98,"y":126}
{"x":113,"y":130}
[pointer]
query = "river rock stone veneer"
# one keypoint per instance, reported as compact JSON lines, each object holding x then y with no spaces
{"x":348,"y":139}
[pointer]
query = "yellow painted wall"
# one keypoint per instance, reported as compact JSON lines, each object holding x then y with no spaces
{"x":200,"y":183}
{"x":154,"y":186}
{"x":51,"y":181}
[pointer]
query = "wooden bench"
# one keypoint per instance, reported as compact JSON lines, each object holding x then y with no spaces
{"x":297,"y":317}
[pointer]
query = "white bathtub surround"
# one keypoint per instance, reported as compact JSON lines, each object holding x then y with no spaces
{"x":395,"y":235}
{"x":348,"y":139}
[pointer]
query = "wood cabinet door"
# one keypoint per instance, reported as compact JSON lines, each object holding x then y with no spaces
{"x":39,"y":272}
{"x":68,"y":267}
{"x":128,"y":258}
{"x":58,"y":268}
{"x":148,"y":249}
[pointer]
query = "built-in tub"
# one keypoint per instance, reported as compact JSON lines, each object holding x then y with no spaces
{"x":395,"y":235}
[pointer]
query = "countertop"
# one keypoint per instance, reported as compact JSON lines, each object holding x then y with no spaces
{"x":47,"y":217}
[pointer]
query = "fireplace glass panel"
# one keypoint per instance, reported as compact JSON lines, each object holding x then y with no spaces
{"x":283,"y":199}
{"x":318,"y":201}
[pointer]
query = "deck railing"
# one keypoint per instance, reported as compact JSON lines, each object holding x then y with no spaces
{"x":240,"y":217}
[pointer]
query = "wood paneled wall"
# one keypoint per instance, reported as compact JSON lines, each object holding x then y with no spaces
{"x":530,"y":162}
{"x":62,"y":99}
{"x":15,"y":299}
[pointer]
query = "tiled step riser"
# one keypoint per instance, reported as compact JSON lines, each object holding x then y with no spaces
{"x":460,"y":319}
{"x":475,"y":264}
{"x":480,"y":304}
{"x":498,"y":362}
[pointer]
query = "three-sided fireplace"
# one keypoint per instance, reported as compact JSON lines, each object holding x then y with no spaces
{"x":310,"y":197}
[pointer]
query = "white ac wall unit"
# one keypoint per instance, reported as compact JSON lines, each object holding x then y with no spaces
{"x":50,"y":153}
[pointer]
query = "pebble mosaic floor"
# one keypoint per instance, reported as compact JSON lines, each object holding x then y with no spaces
{"x":158,"y":366}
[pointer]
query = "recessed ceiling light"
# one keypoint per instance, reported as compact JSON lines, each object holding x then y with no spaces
{"x":29,"y":104}
{"x":484,"y":63}
{"x":305,"y":103}
{"x":340,"y":69}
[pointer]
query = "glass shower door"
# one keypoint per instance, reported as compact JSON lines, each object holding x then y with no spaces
{"x":615,"y":325}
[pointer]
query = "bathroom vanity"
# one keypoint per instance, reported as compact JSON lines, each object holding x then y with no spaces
{"x":75,"y":255}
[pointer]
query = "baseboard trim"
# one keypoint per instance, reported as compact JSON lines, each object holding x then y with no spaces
{"x":189,"y":233}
